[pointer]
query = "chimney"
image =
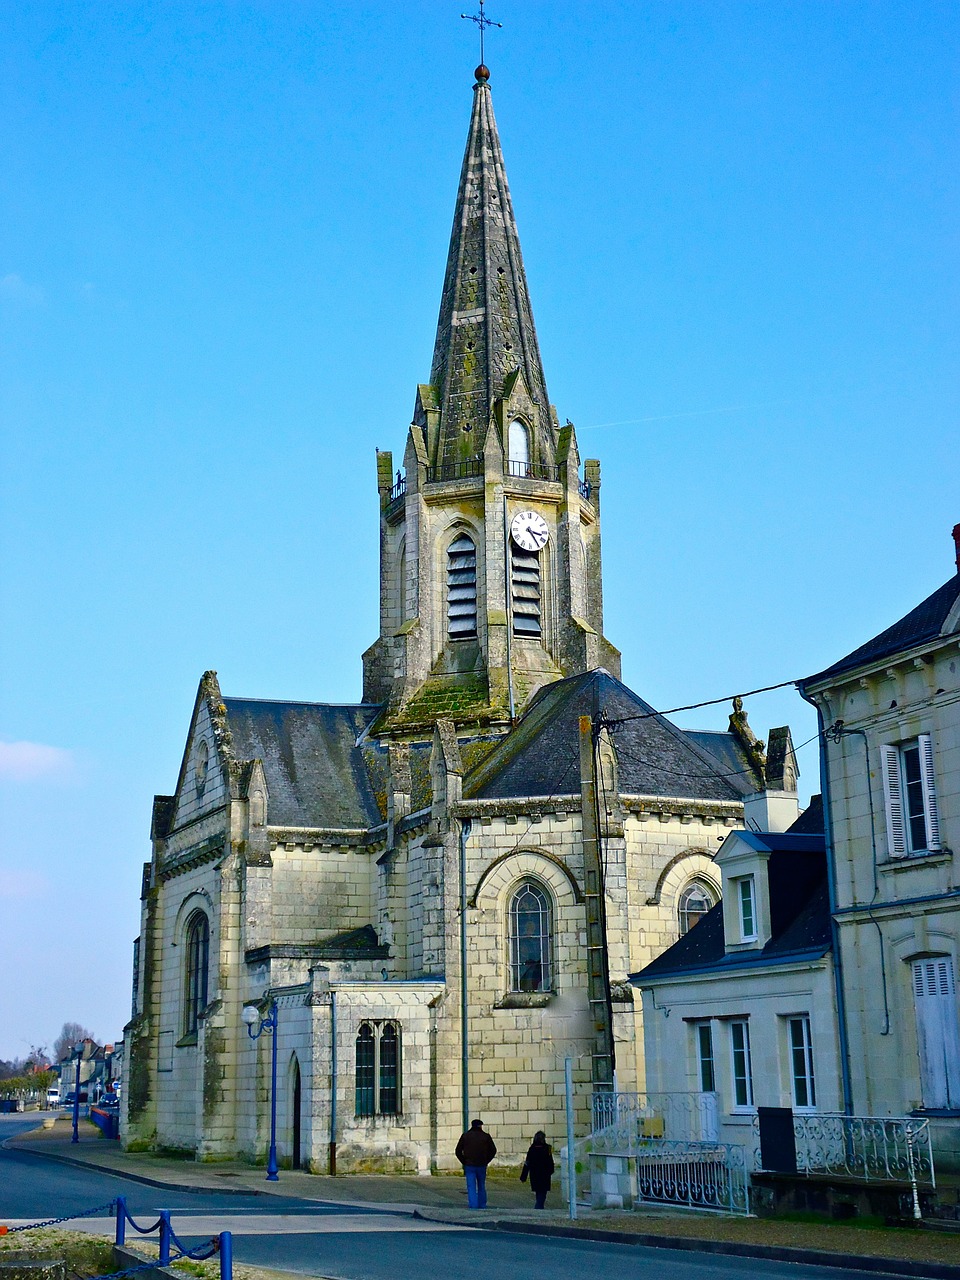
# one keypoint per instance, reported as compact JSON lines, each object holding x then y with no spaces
{"x":956,"y":544}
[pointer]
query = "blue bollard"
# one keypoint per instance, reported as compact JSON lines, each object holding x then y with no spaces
{"x":164,"y":1237}
{"x":120,"y":1209}
{"x":226,"y":1255}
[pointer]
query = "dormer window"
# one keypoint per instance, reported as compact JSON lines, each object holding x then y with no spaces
{"x":747,"y":903}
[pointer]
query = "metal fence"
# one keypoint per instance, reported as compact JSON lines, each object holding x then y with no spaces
{"x":693,"y":1175}
{"x":868,"y":1148}
{"x":621,"y":1121}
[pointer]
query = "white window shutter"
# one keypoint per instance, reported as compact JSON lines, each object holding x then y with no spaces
{"x":938,"y":1031}
{"x":929,"y":791}
{"x":893,"y":801}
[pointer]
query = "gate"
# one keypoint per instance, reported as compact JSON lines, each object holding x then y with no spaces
{"x":694,"y":1175}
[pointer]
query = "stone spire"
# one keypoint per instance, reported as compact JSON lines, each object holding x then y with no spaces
{"x":485,"y":332}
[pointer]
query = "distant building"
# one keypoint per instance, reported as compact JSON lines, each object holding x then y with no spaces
{"x":891,"y":714}
{"x":328,"y":856}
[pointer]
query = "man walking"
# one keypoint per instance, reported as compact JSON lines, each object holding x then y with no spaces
{"x":475,"y":1150}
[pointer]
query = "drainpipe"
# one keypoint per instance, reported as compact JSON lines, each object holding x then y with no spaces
{"x":465,"y":826}
{"x":834,"y":927}
{"x":333,"y":1084}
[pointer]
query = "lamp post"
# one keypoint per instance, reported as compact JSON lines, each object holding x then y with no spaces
{"x":78,"y":1050}
{"x":251,"y":1016}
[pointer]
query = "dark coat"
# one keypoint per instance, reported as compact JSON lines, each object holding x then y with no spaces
{"x":539,"y":1166}
{"x":476,"y":1148}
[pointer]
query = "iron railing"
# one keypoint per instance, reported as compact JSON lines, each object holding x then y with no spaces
{"x":586,"y":489}
{"x":868,"y":1148}
{"x":399,"y":489}
{"x":530,"y":470}
{"x":694,"y":1175}
{"x":624,"y":1121}
{"x":455,"y":470}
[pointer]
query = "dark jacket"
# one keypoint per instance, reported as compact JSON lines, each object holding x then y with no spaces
{"x":539,"y":1166}
{"x":476,"y":1148}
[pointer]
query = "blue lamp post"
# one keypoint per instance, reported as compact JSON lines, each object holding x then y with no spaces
{"x":78,"y":1050}
{"x":251,"y":1016}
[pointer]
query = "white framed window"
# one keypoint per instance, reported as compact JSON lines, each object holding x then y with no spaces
{"x":938,"y":1031}
{"x":801,"y":1062}
{"x":747,"y":908}
{"x":742,"y":1067}
{"x":518,"y":447}
{"x":694,"y":902}
{"x":910,"y":797}
{"x":530,"y":939}
{"x":706,"y":1065}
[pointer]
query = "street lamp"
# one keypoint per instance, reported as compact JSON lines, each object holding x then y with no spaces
{"x":251,"y":1016}
{"x":78,"y":1051}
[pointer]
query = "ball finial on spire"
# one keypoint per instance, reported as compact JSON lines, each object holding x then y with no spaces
{"x":482,"y":74}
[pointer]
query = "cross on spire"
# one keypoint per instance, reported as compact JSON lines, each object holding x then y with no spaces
{"x":482,"y":22}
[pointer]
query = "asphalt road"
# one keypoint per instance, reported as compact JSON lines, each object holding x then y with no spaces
{"x":345,"y":1243}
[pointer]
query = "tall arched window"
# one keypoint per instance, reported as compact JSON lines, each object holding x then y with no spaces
{"x":462,"y":589}
{"x":195,"y":977}
{"x":378,"y":1069}
{"x":693,"y":904}
{"x":518,"y":449}
{"x":530,"y":940}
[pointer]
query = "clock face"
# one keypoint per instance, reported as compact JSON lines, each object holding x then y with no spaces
{"x":529,"y":530}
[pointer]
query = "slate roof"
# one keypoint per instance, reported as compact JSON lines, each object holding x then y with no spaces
{"x":799,"y":911}
{"x":314,"y":770}
{"x":540,"y":757}
{"x":920,"y":625}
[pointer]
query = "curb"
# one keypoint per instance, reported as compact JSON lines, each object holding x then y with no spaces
{"x":10,"y":1145}
{"x":730,"y":1248}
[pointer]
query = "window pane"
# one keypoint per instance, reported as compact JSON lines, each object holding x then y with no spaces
{"x":913,"y":789}
{"x":801,"y":1054}
{"x":365,"y":1071}
{"x":695,"y":902}
{"x":529,"y":940}
{"x":708,"y":1080}
{"x":195,"y":983}
{"x":747,"y":925}
{"x":389,"y":1071}
{"x":742,"y":1083}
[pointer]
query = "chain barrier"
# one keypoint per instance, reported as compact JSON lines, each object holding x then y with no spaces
{"x":67,"y":1217}
{"x":199,"y":1253}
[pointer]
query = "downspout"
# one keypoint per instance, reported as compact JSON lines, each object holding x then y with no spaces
{"x":844,"y":1046}
{"x":333,"y":1084}
{"x":465,"y":826}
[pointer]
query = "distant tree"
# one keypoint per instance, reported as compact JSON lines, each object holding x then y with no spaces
{"x":71,"y":1033}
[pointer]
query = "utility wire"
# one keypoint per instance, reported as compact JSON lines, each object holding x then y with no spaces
{"x":694,"y":706}
{"x":626,"y":754}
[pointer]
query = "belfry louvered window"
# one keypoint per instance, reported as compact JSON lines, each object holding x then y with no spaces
{"x":525,"y":591}
{"x":462,"y":589}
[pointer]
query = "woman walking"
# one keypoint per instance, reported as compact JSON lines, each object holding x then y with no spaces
{"x":539,"y":1167}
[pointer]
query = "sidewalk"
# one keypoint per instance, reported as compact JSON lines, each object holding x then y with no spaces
{"x":443,"y":1199}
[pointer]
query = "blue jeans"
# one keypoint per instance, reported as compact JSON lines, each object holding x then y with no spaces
{"x":476,"y":1175}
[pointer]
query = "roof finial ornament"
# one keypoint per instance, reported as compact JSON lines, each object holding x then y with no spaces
{"x":482,"y":73}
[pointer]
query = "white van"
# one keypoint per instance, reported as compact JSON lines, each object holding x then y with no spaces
{"x":53,"y":1098}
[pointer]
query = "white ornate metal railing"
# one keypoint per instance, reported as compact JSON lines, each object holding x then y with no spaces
{"x":869,"y":1148}
{"x":624,"y":1121}
{"x":694,"y":1175}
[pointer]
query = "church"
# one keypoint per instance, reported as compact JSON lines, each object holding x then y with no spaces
{"x":435,"y":895}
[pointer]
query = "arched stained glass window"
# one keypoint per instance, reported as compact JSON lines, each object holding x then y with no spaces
{"x":366,"y":1071}
{"x":462,"y":589}
{"x":197,"y":968}
{"x":378,"y":1069}
{"x":693,"y":904}
{"x":530,"y":940}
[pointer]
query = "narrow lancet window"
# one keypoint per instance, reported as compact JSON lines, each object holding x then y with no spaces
{"x":198,"y":962}
{"x":462,"y":589}
{"x":518,"y":449}
{"x":530,"y":940}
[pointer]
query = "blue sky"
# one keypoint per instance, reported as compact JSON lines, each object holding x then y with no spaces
{"x":225,"y":234}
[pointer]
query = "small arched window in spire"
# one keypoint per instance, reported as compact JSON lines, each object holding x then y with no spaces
{"x":518,"y":449}
{"x":462,"y":589}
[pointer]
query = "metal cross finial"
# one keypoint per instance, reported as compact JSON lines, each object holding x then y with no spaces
{"x":482,"y":22}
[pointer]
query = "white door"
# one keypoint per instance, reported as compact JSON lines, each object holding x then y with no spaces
{"x":938,"y":1031}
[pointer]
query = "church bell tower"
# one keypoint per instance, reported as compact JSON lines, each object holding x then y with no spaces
{"x":490,"y":571}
